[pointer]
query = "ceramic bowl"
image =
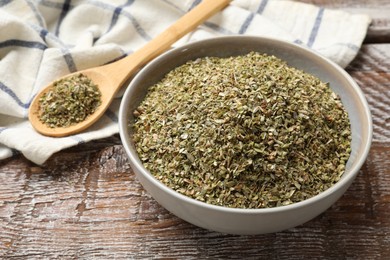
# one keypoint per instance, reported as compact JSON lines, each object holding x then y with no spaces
{"x":249,"y":221}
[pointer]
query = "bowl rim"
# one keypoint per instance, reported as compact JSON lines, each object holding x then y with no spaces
{"x":136,"y":162}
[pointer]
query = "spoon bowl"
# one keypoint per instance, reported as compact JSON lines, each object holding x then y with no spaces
{"x":110,"y":78}
{"x":107,"y":89}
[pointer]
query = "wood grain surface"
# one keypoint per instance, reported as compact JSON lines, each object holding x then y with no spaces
{"x":85,"y":202}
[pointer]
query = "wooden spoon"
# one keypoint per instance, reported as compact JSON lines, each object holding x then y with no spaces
{"x":111,"y":77}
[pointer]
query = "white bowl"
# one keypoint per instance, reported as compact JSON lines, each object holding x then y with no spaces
{"x":249,"y":221}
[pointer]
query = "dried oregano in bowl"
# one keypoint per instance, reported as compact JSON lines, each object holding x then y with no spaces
{"x":243,"y":132}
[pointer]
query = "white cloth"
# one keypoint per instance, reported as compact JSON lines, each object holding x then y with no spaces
{"x":43,"y":40}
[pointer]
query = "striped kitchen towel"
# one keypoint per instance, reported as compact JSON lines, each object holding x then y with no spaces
{"x":43,"y":40}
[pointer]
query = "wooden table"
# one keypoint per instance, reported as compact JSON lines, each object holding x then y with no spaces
{"x":85,"y":202}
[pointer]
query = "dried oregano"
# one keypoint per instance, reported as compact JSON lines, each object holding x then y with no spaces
{"x":243,"y":132}
{"x":70,"y":101}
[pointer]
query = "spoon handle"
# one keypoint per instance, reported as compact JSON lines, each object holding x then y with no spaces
{"x":123,"y":69}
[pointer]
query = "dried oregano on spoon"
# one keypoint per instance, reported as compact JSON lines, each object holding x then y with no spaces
{"x":70,"y":101}
{"x":243,"y":132}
